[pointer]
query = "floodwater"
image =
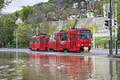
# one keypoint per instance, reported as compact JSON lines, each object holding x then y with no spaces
{"x":38,"y":66}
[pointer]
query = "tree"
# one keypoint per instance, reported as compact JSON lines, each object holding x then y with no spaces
{"x":7,"y":26}
{"x":3,"y":3}
{"x":51,"y":1}
{"x":93,"y":29}
{"x":53,"y":28}
{"x":26,"y":12}
{"x":70,"y":24}
{"x":118,"y":18}
{"x":44,"y":27}
{"x":23,"y":34}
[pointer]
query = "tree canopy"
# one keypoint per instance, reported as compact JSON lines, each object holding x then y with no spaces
{"x":3,"y":3}
{"x":26,"y":12}
{"x":118,"y":18}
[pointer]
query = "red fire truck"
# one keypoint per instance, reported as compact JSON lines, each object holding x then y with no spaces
{"x":71,"y":40}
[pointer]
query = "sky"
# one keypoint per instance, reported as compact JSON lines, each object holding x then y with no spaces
{"x":17,"y":5}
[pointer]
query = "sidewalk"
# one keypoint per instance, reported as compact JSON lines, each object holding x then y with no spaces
{"x":103,"y":51}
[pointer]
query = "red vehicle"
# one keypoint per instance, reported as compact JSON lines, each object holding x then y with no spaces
{"x":71,"y":40}
{"x":43,"y":42}
{"x":39,"y":42}
{"x":32,"y":43}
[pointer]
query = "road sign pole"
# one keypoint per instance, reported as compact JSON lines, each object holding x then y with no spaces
{"x":116,"y":27}
{"x":110,"y":26}
{"x":116,"y":48}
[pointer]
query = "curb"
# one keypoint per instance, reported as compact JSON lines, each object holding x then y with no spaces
{"x":114,"y":56}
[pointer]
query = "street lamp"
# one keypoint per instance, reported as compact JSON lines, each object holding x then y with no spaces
{"x":18,"y":21}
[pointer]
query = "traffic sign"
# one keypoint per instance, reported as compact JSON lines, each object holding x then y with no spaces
{"x":116,"y":38}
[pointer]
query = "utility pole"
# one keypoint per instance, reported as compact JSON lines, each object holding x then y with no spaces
{"x":115,"y":23}
{"x":110,"y":27}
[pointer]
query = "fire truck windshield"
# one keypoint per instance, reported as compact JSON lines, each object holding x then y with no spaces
{"x":84,"y":35}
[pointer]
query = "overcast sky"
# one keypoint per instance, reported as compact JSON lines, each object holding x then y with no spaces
{"x":17,"y":5}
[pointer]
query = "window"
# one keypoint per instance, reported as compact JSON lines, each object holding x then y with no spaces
{"x":85,"y":35}
{"x":78,"y":35}
{"x":37,"y":40}
{"x":45,"y":39}
{"x":52,"y":38}
{"x":63,"y":36}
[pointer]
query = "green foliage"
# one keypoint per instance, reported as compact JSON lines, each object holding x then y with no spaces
{"x":51,"y":1}
{"x":47,"y":6}
{"x":94,"y":29}
{"x":46,"y":28}
{"x":26,"y":12}
{"x":23,"y":32}
{"x":3,"y":3}
{"x":101,"y":7}
{"x":118,"y":18}
{"x":53,"y":28}
{"x":16,"y":13}
{"x":70,"y":24}
{"x":7,"y":26}
{"x":104,"y":41}
{"x":101,"y":40}
{"x":44,"y":7}
{"x":51,"y":16}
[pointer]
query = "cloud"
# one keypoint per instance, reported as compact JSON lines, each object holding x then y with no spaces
{"x":17,"y":4}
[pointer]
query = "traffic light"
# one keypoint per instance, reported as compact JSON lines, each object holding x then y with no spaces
{"x":115,"y":22}
{"x":106,"y":23}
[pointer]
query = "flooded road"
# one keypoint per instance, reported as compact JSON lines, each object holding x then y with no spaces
{"x":40,"y":66}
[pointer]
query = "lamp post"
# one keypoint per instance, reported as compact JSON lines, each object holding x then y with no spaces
{"x":18,"y":21}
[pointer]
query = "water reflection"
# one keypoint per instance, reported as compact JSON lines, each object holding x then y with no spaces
{"x":38,"y":66}
{"x":10,"y":69}
{"x":62,"y":68}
